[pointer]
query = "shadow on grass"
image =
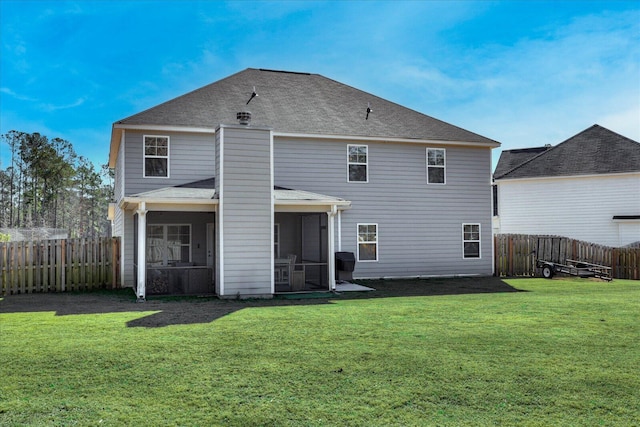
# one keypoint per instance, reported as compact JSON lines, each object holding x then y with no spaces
{"x":166,"y":311}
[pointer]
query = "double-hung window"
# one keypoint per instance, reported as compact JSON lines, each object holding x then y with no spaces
{"x":367,"y":242}
{"x":357,"y":163}
{"x":436,"y":166}
{"x":156,"y":156}
{"x":471,"y":240}
{"x":168,"y":244}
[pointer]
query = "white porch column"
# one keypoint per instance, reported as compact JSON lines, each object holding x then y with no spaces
{"x":339,"y":231}
{"x":331,"y":248}
{"x":141,"y":288}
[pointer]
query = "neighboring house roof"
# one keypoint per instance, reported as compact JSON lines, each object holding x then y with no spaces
{"x":594,"y":151}
{"x":509,"y":159}
{"x":299,"y":103}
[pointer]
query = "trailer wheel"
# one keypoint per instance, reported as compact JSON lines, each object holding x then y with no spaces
{"x":547,"y":271}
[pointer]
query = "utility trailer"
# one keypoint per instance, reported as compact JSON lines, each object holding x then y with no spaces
{"x":574,"y":268}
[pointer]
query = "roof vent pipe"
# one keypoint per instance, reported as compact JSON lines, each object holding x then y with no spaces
{"x":244,"y":117}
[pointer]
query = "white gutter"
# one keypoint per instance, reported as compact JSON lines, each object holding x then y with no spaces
{"x":342,"y":203}
{"x":562,"y":177}
{"x":385,"y":139}
{"x":198,"y":129}
{"x":166,"y":128}
{"x":126,"y":201}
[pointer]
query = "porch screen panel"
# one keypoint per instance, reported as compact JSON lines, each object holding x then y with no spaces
{"x":178,"y":243}
{"x":167,"y":244}
{"x":155,"y":244}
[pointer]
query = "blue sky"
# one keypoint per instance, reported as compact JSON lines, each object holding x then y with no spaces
{"x":525,"y":73}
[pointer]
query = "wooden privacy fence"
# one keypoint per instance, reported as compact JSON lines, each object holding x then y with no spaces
{"x":516,"y":254}
{"x":59,"y":265}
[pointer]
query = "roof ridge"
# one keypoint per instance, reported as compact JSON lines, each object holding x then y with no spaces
{"x":283,"y":71}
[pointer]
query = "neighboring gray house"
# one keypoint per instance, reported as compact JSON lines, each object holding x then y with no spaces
{"x":586,"y":188}
{"x":210,"y":201}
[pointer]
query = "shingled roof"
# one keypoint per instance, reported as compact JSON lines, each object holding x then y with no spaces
{"x":299,"y":103}
{"x":594,"y":151}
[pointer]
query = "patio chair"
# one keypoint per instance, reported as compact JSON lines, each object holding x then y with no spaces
{"x":288,"y":272}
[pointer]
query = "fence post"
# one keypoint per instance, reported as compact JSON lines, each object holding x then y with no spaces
{"x":3,"y":269}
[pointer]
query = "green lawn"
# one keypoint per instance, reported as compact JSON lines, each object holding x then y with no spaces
{"x":565,"y":352}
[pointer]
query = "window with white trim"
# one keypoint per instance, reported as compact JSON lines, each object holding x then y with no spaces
{"x":156,"y":156}
{"x":168,"y":244}
{"x":471,"y":240}
{"x":367,"y":242}
{"x":357,"y":163}
{"x":436,"y":166}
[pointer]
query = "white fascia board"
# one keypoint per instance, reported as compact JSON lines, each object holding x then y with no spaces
{"x":309,"y":206}
{"x":551,"y":178}
{"x":174,"y":204}
{"x":386,"y":139}
{"x":164,"y":128}
{"x":627,"y":220}
{"x":312,"y":203}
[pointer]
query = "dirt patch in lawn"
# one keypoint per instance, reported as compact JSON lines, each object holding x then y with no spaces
{"x":188,"y":310}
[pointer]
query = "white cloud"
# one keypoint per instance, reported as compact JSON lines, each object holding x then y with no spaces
{"x":15,"y":95}
{"x":53,"y":107}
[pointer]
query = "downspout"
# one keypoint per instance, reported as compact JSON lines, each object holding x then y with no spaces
{"x":331,"y":256}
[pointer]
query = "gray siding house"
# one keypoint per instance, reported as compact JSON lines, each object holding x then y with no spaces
{"x":212,"y":199}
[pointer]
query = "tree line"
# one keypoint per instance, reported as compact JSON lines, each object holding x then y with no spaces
{"x":48,"y":185}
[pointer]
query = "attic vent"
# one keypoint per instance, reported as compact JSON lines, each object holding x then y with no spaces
{"x":244,"y":117}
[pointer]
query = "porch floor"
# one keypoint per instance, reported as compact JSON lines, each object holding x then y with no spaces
{"x":352,"y":287}
{"x":340,"y":287}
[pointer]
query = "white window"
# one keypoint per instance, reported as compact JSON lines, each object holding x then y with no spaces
{"x":156,"y":156}
{"x":471,"y":240}
{"x":436,"y":166}
{"x":168,"y":244}
{"x":357,"y":163}
{"x":367,"y":242}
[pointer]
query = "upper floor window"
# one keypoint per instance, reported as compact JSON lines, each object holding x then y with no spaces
{"x":471,"y":240}
{"x":367,"y":242}
{"x":357,"y":161}
{"x":436,"y":165}
{"x":156,"y":156}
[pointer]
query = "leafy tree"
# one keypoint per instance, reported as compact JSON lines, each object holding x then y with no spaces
{"x":48,"y":185}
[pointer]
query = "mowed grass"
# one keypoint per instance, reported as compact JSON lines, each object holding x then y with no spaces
{"x":565,"y":352}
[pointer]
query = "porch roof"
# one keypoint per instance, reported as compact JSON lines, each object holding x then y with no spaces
{"x":287,"y":194}
{"x":185,"y":196}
